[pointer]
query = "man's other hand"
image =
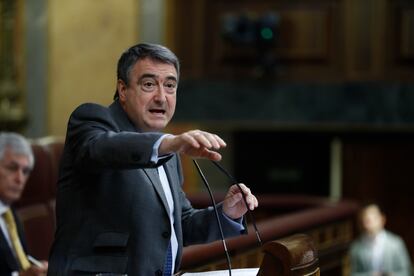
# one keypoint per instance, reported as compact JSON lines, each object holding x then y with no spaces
{"x":36,"y":270}
{"x":233,"y":205}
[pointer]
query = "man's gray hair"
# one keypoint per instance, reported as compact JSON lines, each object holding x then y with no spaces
{"x":17,"y":144}
{"x":141,"y":51}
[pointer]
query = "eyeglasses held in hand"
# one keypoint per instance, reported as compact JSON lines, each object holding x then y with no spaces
{"x":233,"y":179}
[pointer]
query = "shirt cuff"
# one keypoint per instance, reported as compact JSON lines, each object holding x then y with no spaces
{"x":235,"y":223}
{"x":154,"y":156}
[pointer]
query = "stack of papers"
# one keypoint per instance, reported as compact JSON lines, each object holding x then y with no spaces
{"x":234,"y":272}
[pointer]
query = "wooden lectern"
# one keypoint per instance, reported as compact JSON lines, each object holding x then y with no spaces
{"x":293,"y":255}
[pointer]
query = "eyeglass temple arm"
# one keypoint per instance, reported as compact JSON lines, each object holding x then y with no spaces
{"x":233,"y":179}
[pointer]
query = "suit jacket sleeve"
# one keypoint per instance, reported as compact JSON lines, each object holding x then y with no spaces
{"x":101,"y":144}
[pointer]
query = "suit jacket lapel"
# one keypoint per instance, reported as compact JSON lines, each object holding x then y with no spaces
{"x":125,"y":124}
{"x":155,"y":180}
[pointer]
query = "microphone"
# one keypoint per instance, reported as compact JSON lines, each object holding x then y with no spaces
{"x":216,"y":213}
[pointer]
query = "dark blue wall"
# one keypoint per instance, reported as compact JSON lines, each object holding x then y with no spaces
{"x":388,"y":104}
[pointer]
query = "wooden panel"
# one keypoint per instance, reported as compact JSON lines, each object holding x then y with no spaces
{"x":306,"y":44}
{"x":304,"y":36}
{"x":365,"y":39}
{"x":187,"y":37}
{"x":317,"y":40}
{"x":407,"y":34}
{"x":359,"y":23}
{"x":400,"y":40}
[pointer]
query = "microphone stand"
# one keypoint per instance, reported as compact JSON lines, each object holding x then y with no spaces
{"x":216,"y":213}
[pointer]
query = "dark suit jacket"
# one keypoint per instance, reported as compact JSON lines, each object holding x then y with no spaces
{"x":111,"y":209}
{"x":8,"y":262}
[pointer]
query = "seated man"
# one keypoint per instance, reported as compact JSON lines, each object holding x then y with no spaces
{"x":378,"y":251}
{"x":16,"y":162}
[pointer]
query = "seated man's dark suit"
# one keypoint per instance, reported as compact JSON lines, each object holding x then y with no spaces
{"x":111,"y":209}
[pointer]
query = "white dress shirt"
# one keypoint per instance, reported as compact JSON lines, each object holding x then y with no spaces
{"x":376,"y":247}
{"x":3,"y":209}
{"x":168,"y":195}
{"x":238,"y":223}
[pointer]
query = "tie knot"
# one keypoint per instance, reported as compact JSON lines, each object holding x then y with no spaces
{"x":8,"y":216}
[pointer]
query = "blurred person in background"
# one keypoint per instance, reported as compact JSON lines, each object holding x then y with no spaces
{"x":378,"y":251}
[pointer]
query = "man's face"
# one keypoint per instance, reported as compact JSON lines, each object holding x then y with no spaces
{"x":14,"y":171}
{"x":150,"y":98}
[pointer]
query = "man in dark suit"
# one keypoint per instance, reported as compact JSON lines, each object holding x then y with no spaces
{"x":120,"y":204}
{"x":16,"y":162}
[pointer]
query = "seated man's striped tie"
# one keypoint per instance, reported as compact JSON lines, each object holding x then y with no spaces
{"x":14,"y":238}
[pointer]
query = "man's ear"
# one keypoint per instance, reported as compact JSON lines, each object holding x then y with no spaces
{"x":122,"y":89}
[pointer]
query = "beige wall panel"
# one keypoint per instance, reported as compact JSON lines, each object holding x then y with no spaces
{"x":86,"y":38}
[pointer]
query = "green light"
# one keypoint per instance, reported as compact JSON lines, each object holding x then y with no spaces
{"x":266,"y":33}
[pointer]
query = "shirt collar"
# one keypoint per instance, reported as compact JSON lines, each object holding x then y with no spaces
{"x":3,"y":208}
{"x":379,"y":237}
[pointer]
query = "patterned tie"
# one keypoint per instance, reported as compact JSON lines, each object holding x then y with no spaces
{"x":14,"y":238}
{"x":168,"y":262}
